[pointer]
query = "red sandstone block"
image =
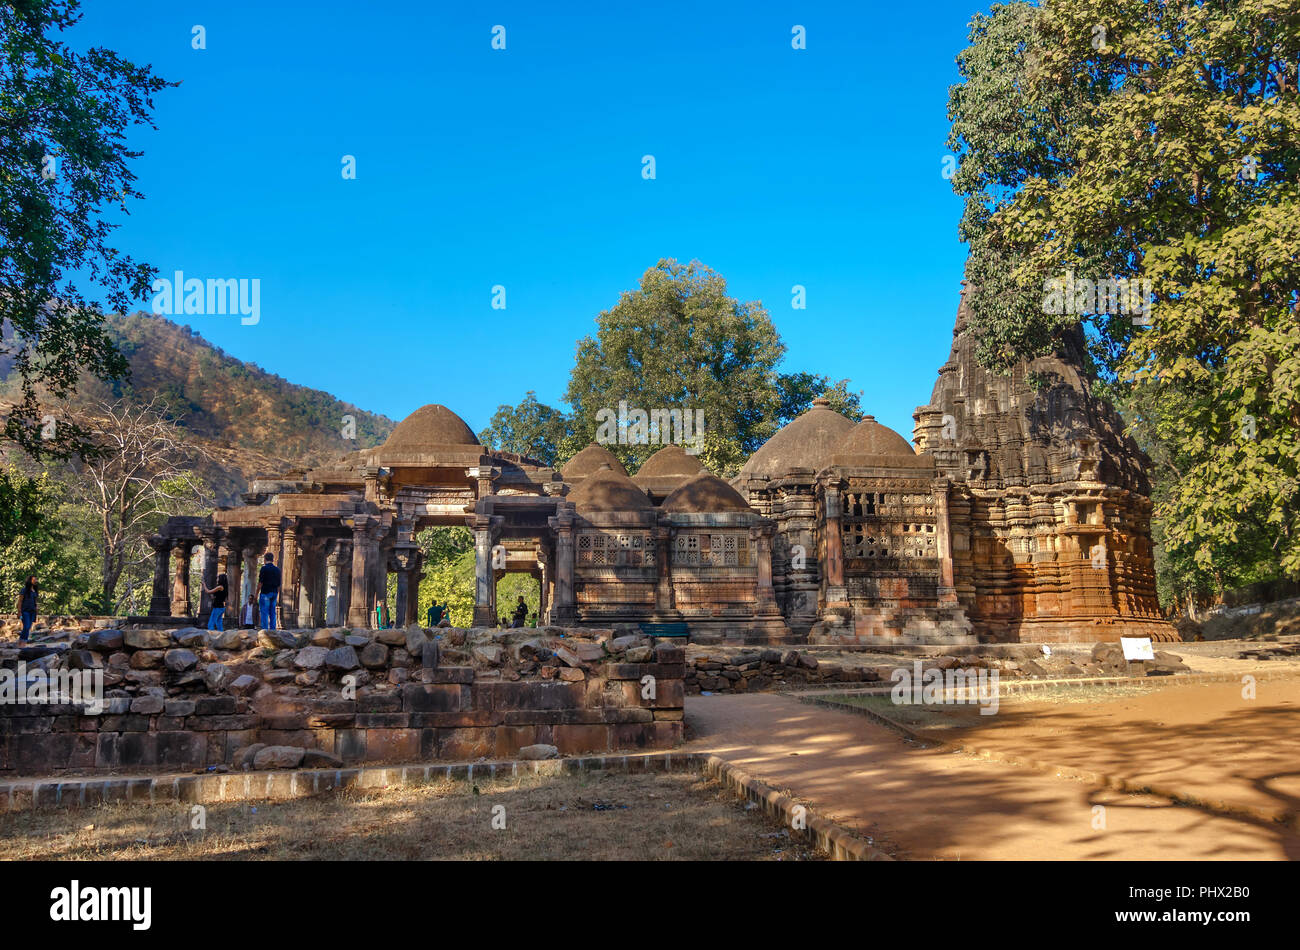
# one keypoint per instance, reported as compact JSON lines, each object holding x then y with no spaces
{"x":535,"y":695}
{"x":331,"y":720}
{"x":83,"y":751}
{"x":578,"y":739}
{"x":477,"y":717}
{"x":380,"y":702}
{"x":650,"y":735}
{"x":350,"y":744}
{"x":432,"y":697}
{"x":392,"y":745}
{"x":463,"y":675}
{"x":666,"y":653}
{"x":466,"y":743}
{"x":224,"y":722}
{"x":286,"y":721}
{"x":294,"y":737}
{"x":398,"y":720}
{"x":138,"y":749}
{"x":510,"y":739}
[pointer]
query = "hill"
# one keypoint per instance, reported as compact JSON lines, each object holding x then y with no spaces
{"x":251,"y":422}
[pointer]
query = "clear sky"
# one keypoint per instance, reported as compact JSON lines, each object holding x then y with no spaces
{"x":523,"y":168}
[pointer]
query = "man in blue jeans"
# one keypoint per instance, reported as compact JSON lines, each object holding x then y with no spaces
{"x":268,"y":591}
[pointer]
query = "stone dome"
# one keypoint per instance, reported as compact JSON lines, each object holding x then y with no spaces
{"x":588,"y":462}
{"x":608,"y":490}
{"x":705,"y":494}
{"x":672,"y":461}
{"x":429,"y":426}
{"x":870,"y":438}
{"x":869,"y":443}
{"x":805,"y":442}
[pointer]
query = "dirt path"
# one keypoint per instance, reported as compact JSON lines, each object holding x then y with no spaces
{"x":1207,"y":741}
{"x":922,"y":804}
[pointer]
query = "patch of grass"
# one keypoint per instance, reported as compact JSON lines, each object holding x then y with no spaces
{"x":586,"y":816}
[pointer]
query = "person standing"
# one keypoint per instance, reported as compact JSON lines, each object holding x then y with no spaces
{"x":250,"y":611}
{"x":216,"y":619}
{"x":27,"y":607}
{"x":521,"y":613}
{"x":268,"y":591}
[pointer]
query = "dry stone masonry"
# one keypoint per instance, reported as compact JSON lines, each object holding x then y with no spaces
{"x":195,"y":699}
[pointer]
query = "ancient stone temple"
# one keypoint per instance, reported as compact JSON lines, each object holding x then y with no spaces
{"x":1022,"y":514}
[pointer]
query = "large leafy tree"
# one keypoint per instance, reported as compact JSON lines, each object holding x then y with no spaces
{"x":64,"y":167}
{"x":531,"y":428}
{"x":680,"y":341}
{"x":1156,"y":142}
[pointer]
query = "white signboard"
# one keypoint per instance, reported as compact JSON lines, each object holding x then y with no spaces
{"x":1137,"y":648}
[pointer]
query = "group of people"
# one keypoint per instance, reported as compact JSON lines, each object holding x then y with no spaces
{"x":262,"y":604}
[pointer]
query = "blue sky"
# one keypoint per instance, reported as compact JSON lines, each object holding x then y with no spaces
{"x":478,"y":167}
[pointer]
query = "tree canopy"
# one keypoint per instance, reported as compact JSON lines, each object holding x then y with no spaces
{"x":64,"y":167}
{"x":1158,"y":144}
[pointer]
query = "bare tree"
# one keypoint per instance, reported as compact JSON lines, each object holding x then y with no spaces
{"x":142,"y":471}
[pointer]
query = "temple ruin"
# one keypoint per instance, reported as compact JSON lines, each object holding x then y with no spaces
{"x":1022,"y":514}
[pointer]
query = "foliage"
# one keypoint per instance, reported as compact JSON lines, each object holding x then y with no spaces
{"x":531,"y":428}
{"x":1121,"y":138}
{"x":34,"y":541}
{"x":680,"y":342}
{"x":63,"y":167}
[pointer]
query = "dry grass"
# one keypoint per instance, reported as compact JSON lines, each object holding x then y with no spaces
{"x":586,"y":816}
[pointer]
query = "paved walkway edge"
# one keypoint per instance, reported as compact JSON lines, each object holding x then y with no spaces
{"x":837,"y":842}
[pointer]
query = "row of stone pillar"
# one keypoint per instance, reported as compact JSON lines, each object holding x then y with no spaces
{"x":324,"y":580}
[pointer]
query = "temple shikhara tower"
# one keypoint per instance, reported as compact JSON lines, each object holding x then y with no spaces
{"x":1021,"y":514}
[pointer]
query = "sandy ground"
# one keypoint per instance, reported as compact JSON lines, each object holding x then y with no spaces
{"x":923,"y":804}
{"x":1208,"y":741}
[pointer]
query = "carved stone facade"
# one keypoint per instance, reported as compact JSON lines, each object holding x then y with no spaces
{"x":1023,"y":514}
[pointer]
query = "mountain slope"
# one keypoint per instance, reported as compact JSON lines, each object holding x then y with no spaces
{"x":250,"y":421}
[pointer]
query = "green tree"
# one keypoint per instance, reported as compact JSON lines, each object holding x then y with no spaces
{"x":1160,"y":143}
{"x":63,"y":165}
{"x":679,"y":341}
{"x":33,"y":540}
{"x":531,"y":428}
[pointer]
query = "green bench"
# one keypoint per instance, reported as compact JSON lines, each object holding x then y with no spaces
{"x":665,"y":629}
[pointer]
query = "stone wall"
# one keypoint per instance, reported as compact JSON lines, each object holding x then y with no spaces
{"x":189,"y":699}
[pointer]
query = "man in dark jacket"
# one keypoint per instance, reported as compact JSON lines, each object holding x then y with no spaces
{"x":268,"y":591}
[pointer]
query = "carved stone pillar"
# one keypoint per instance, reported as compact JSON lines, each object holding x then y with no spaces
{"x":836,"y":595}
{"x":289,"y":579}
{"x":564,"y":612}
{"x":210,"y":552}
{"x":362,"y":551}
{"x":332,"y":600}
{"x":181,"y":580}
{"x":252,"y":564}
{"x":485,"y":593}
{"x":665,"y":601}
{"x":160,"y":605}
{"x":943,"y":543}
{"x":345,"y":579}
{"x":766,"y":595}
{"x":403,"y":564}
{"x":232,"y":563}
{"x":273,"y":543}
